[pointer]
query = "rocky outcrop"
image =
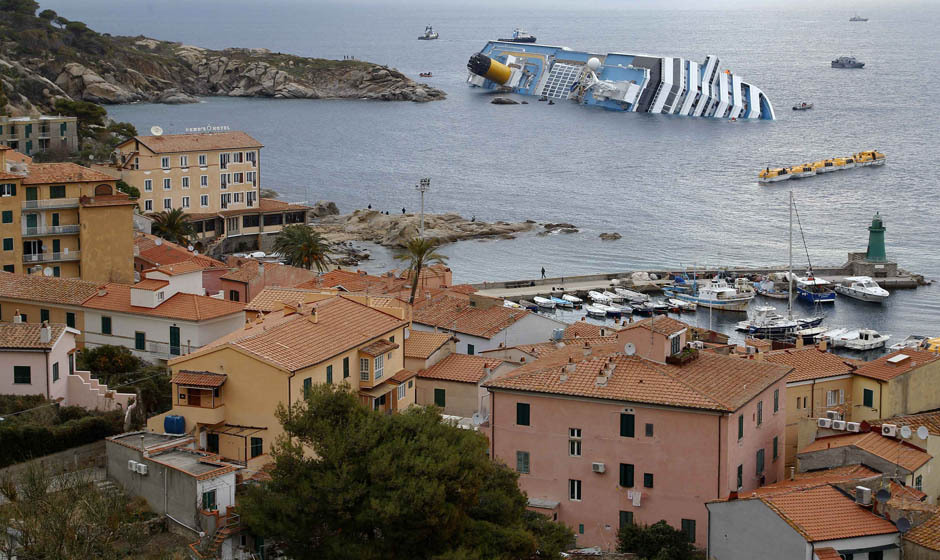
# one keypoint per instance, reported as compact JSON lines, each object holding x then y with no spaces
{"x":324,"y":208}
{"x":504,"y":101}
{"x":613,"y":236}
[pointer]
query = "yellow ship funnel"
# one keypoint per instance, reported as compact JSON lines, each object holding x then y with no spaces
{"x":492,"y":70}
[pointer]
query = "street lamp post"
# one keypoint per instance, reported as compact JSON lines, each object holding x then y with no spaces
{"x":423,"y":186}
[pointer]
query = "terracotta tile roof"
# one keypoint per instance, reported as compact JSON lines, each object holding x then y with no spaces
{"x":583,"y":329}
{"x":810,"y":363}
{"x":827,"y":553}
{"x":266,"y":205}
{"x":421,"y":344}
{"x":883,"y":370}
{"x":244,"y":273}
{"x":379,"y":347}
{"x":662,"y":325}
{"x":179,"y":268}
{"x":169,"y":253}
{"x":4,"y":148}
{"x":460,"y":367}
{"x":293,"y":341}
{"x":151,"y":284}
{"x":187,"y":307}
{"x":272,"y":299}
{"x":358,"y":282}
{"x":70,"y":291}
{"x":18,"y":157}
{"x":26,"y":335}
{"x":4,"y":176}
{"x":889,"y":449}
{"x":44,"y":173}
{"x":927,"y":534}
{"x":543,"y":349}
{"x":449,"y":312}
{"x":195,"y":142}
{"x":710,"y":381}
{"x":835,"y":475}
{"x":402,"y":376}
{"x":199,"y":378}
{"x":119,"y":199}
{"x":930,"y":420}
{"x":462,"y":289}
{"x":824,"y":513}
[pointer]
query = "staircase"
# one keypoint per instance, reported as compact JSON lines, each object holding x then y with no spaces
{"x":210,"y":249}
{"x":229,"y":525}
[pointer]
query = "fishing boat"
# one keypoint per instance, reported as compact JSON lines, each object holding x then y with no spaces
{"x":609,"y":309}
{"x":530,"y":305}
{"x":857,"y":17}
{"x":847,"y":62}
{"x":614,"y":297}
{"x":683,"y":306}
{"x":813,"y":289}
{"x":598,"y":297}
{"x":573,"y":299}
{"x":769,"y":175}
{"x":519,"y":36}
{"x":631,"y":296}
{"x":511,"y":304}
{"x":913,"y":341}
{"x":860,"y":340}
{"x":765,"y":322}
{"x":802,"y":106}
{"x":768,"y":288}
{"x":862,"y":288}
{"x":559,"y":302}
{"x":714,"y":294}
{"x":544,"y":303}
{"x":429,"y":34}
{"x":426,"y":75}
{"x":594,"y":311}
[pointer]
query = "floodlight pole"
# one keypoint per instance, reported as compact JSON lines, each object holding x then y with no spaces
{"x":423,"y":186}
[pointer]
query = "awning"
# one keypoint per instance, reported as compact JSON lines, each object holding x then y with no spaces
{"x":378,"y":348}
{"x":379,"y":390}
{"x":199,"y":379}
{"x":543,"y":503}
{"x":236,"y":430}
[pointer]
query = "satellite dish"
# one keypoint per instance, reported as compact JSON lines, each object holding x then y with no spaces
{"x":593,"y":63}
{"x":190,"y":247}
{"x":477,"y":419}
{"x":91,"y":157}
{"x":47,"y":271}
{"x":903,"y":524}
{"x":906,"y":431}
{"x":883,"y":495}
{"x":923,"y":432}
{"x":629,"y":349}
{"x":195,"y":252}
{"x":158,"y":242}
{"x":156,"y":130}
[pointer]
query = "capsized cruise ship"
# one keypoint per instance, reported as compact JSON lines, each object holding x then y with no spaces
{"x":618,"y":81}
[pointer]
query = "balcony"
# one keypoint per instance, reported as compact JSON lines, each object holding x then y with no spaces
{"x":201,"y":414}
{"x":49,"y":203}
{"x":164,"y":351}
{"x":50,"y":230}
{"x":52,"y":257}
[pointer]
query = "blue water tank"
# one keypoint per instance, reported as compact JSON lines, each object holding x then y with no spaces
{"x":174,"y":424}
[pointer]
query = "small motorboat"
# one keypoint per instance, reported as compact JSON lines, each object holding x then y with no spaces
{"x":650,"y":308}
{"x":860,"y":340}
{"x":683,"y":306}
{"x":511,"y":304}
{"x":594,"y":311}
{"x":559,"y":302}
{"x":862,"y":288}
{"x":519,"y":36}
{"x":812,"y":289}
{"x":598,"y":297}
{"x":802,"y":106}
{"x":847,"y":62}
{"x":429,"y":34}
{"x":614,"y":297}
{"x":609,"y":309}
{"x":768,"y":288}
{"x":769,"y":175}
{"x":531,"y":306}
{"x":631,"y":296}
{"x":913,"y":341}
{"x":544,"y":303}
{"x":426,"y":75}
{"x":573,"y":299}
{"x":857,"y":17}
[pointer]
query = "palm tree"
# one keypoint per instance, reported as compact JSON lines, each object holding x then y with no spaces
{"x":301,"y":246}
{"x":420,"y":253}
{"x":173,"y":226}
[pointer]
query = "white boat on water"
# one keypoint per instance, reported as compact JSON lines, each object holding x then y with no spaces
{"x":866,"y":339}
{"x":573,"y":299}
{"x":632,"y":296}
{"x":598,"y":297}
{"x":512,"y":304}
{"x":744,"y":286}
{"x":682,"y":305}
{"x":559,"y":302}
{"x":544,"y":303}
{"x":862,"y":288}
{"x":594,"y":311}
{"x":716,"y":294}
{"x":609,"y":309}
{"x":614,"y":297}
{"x":913,"y":341}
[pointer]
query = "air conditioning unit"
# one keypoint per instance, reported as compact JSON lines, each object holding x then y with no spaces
{"x":853,"y":427}
{"x":889,"y":430}
{"x":833,"y":415}
{"x":838,"y":424}
{"x":141,"y":468}
{"x":862,"y":496}
{"x":824,"y":422}
{"x":132,"y":465}
{"x":598,"y":467}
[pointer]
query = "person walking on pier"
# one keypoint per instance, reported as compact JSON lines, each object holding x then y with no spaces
{"x":543,"y":272}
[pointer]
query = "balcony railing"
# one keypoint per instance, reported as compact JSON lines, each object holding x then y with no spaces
{"x":50,"y":230}
{"x":52,"y":257}
{"x":166,"y":351}
{"x":50,"y":203}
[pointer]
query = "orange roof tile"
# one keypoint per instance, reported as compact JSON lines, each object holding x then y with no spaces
{"x":810,"y":363}
{"x":195,"y":142}
{"x":71,"y":291}
{"x":930,"y":420}
{"x":379,"y":347}
{"x":26,"y":335}
{"x":266,"y":205}
{"x":119,"y":199}
{"x":244,"y":273}
{"x":421,"y":344}
{"x":454,"y":313}
{"x":169,"y":253}
{"x":151,"y":284}
{"x":187,"y":307}
{"x":811,"y":479}
{"x":884,"y":370}
{"x":824,"y":513}
{"x":889,"y":449}
{"x":179,"y":268}
{"x":199,"y":378}
{"x":402,"y":376}
{"x":827,"y":553}
{"x":273,"y":299}
{"x":461,"y":368}
{"x":4,"y":176}
{"x":583,"y":329}
{"x":927,"y":534}
{"x":661,"y":325}
{"x":355,"y":282}
{"x":44,"y":173}
{"x":292,"y":341}
{"x":18,"y":157}
{"x":463,"y":289}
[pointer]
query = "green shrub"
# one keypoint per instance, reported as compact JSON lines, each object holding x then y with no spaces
{"x":21,"y":441}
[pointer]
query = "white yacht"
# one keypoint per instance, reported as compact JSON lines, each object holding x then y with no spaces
{"x":861,"y":339}
{"x":913,"y":341}
{"x":716,"y":294}
{"x":862,"y":288}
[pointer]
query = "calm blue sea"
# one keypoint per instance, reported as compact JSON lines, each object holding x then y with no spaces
{"x":680,"y":191}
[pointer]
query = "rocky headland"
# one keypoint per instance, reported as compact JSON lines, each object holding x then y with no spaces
{"x":46,"y":58}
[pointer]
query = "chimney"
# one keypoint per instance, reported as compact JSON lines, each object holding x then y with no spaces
{"x":313,"y":315}
{"x":799,"y":342}
{"x":570,"y":366}
{"x":45,"y":333}
{"x":17,"y":318}
{"x":792,"y":473}
{"x":823,"y":345}
{"x":102,"y":292}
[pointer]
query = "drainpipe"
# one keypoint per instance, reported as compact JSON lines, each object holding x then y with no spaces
{"x":718,"y":493}
{"x":48,"y":390}
{"x":493,"y":426}
{"x":881,"y":393}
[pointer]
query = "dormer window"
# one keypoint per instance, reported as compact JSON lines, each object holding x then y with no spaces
{"x":675,"y":345}
{"x":160,"y":296}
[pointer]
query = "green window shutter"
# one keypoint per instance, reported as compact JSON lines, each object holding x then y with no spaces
{"x":55,"y":372}
{"x":8,"y":216}
{"x":522,"y":414}
{"x":626,"y":475}
{"x":329,"y":374}
{"x":140,"y":340}
{"x":29,"y":147}
{"x":776,"y":400}
{"x":345,"y":367}
{"x":21,"y":374}
{"x":868,"y":398}
{"x":43,"y":315}
{"x":626,"y":518}
{"x":32,"y":193}
{"x":760,"y":461}
{"x":56,"y":246}
{"x":29,"y":130}
{"x":70,"y":319}
{"x":8,"y":244}
{"x":627,"y":425}
{"x":9,"y":268}
{"x":308,"y":384}
{"x":439,"y":397}
{"x":581,"y":528}
{"x":740,"y":426}
{"x":470,"y":349}
{"x":740,"y":476}
{"x":63,"y":129}
{"x":106,"y":325}
{"x":688,"y":527}
{"x":57,"y":191}
{"x":648,"y":480}
{"x":776,"y":441}
{"x":56,"y":272}
{"x":55,"y":218}
{"x":522,"y":462}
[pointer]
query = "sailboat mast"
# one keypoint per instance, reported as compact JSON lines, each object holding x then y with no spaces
{"x":790,"y":266}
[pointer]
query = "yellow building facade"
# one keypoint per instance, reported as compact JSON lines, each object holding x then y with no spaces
{"x":903,"y":382}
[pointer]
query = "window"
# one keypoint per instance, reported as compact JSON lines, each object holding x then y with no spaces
{"x":251,"y":220}
{"x":740,"y":477}
{"x":522,"y":414}
{"x":440,"y":397}
{"x":9,"y":268}
{"x":237,"y":157}
{"x":43,"y":315}
{"x":252,"y":177}
{"x":202,"y":160}
{"x":402,"y":391}
{"x":581,"y":528}
{"x":345,"y":367}
{"x":106,"y":325}
{"x":8,"y":216}
{"x":55,"y":218}
{"x":167,"y":184}
{"x":873,"y":555}
{"x":775,"y":452}
{"x":379,"y":366}
{"x":238,"y":178}
{"x":184,"y":182}
{"x":522,"y":462}
{"x":649,"y":430}
{"x":626,"y":518}
{"x":204,"y":200}
{"x":55,"y":374}
{"x":184,"y":161}
{"x":208,"y":501}
{"x":167,"y":203}
{"x":329,"y":374}
{"x":71,"y":363}
{"x":225,"y":179}
{"x":185,"y":202}
{"x":688,"y":527}
{"x":868,"y":398}
{"x":760,"y":412}
{"x":647,"y":480}
{"x":574,"y":490}
{"x":203,"y":181}
{"x":804,"y":402}
{"x":776,"y":400}
{"x":626,"y":475}
{"x":760,"y":462}
{"x":364,"y":369}
{"x":57,"y":191}
{"x":919,"y":482}
{"x":7,"y":243}
{"x":257,"y":447}
{"x":470,"y":349}
{"x":8,"y":189}
{"x":148,"y":205}
{"x":574,"y":442}
{"x":70,"y":319}
{"x":237,"y":197}
{"x":674,"y":345}
{"x":225,"y":199}
{"x":140,"y":340}
{"x":160,"y":296}
{"x":251,"y":157}
{"x":21,"y":375}
{"x":835,"y":396}
{"x":148,"y":184}
{"x":233,"y":295}
{"x":165,"y":162}
{"x":627,"y":424}
{"x":798,"y":401}
{"x":308,"y":384}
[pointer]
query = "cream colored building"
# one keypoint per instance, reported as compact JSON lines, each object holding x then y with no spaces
{"x":39,"y":133}
{"x":200,"y":173}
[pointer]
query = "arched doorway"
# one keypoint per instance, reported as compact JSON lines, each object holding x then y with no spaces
{"x":103,"y":189}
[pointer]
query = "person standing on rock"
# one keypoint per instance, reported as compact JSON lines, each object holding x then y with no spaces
{"x":543,"y":272}
{"x":403,"y":211}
